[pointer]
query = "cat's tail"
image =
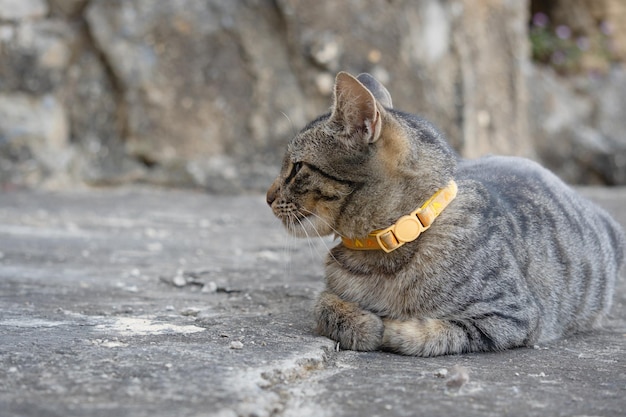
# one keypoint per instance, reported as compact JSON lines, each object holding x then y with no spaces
{"x":433,"y":337}
{"x":424,"y":337}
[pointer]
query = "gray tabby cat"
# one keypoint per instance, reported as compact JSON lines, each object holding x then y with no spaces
{"x":513,"y":258}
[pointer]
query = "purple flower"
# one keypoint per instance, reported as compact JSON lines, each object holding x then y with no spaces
{"x":605,"y":28}
{"x":541,"y":20}
{"x":583,"y":43}
{"x":563,"y":32}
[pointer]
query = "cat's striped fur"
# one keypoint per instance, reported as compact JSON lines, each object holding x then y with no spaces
{"x":518,"y":258}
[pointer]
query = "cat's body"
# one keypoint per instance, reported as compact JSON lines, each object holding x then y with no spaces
{"x":517,"y":258}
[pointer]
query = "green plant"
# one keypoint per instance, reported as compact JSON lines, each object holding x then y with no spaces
{"x":556,"y":46}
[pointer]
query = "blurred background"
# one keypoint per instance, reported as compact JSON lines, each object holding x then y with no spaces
{"x":206,"y":93}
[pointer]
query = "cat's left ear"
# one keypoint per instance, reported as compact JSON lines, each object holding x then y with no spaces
{"x":355,"y":109}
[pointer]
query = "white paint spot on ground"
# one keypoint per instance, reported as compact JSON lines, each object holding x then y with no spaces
{"x":31,"y":323}
{"x":133,"y":326}
{"x":108,"y":343}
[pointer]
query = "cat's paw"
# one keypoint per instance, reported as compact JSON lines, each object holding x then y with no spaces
{"x":360,"y":331}
{"x":348,"y":324}
{"x":364,"y":333}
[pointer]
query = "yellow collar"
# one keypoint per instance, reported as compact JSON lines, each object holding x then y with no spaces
{"x":407,"y":228}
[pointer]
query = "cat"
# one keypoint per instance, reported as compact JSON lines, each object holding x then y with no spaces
{"x":508,"y":255}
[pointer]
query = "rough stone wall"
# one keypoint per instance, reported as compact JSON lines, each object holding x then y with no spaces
{"x":207,"y":92}
{"x":459,"y":63}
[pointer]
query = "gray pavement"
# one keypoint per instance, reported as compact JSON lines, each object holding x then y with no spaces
{"x":149,"y":302}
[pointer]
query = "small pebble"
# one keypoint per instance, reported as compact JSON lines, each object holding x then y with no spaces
{"x":459,"y":376}
{"x":190,"y":311}
{"x":179,"y":281}
{"x":268,"y":255}
{"x":132,"y":288}
{"x":209,"y":287}
{"x":236,"y":344}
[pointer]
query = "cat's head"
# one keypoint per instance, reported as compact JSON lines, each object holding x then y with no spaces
{"x":359,"y":167}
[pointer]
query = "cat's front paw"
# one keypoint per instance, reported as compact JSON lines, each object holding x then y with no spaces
{"x":348,"y":324}
{"x":366,"y":333}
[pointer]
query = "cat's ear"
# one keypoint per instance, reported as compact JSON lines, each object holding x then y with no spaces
{"x":355,"y":109}
{"x":377,"y":89}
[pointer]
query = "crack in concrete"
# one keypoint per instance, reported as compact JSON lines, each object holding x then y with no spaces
{"x":285,"y":387}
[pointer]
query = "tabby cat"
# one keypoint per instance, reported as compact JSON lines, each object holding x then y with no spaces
{"x":439,"y":255}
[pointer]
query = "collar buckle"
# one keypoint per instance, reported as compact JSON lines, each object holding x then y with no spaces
{"x":406,"y":229}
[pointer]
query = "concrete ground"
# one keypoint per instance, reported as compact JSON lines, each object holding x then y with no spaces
{"x":148,"y":302}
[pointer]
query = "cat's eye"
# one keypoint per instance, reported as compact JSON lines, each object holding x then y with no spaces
{"x":295,"y":168}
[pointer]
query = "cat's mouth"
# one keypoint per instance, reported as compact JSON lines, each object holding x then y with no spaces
{"x":299,"y":221}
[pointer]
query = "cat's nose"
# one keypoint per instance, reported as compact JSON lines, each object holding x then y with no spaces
{"x":271,"y":196}
{"x":272,"y":193}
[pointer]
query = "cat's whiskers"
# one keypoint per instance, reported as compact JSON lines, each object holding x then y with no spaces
{"x":319,"y":235}
{"x":290,"y":242}
{"x":296,"y":216}
{"x":293,"y":128}
{"x":322,"y":220}
{"x":316,"y":231}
